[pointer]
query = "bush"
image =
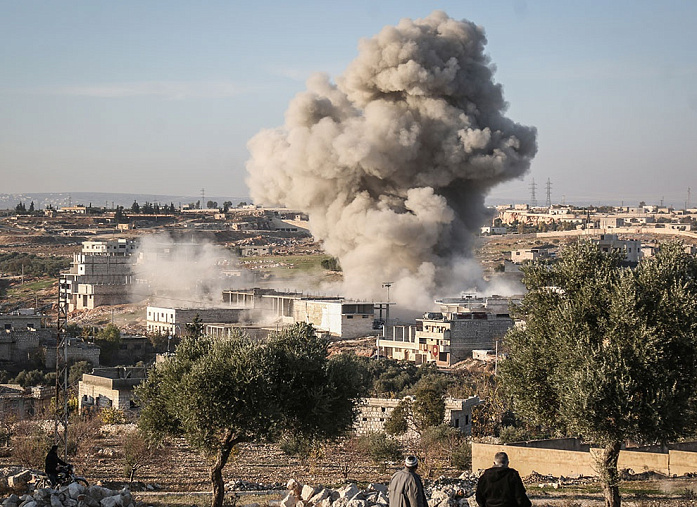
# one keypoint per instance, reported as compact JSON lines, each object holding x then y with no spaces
{"x":380,"y":448}
{"x":30,"y":444}
{"x":112,"y":416}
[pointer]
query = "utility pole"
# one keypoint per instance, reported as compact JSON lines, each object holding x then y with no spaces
{"x":548,"y":203}
{"x":60,"y":437}
{"x":387,"y":285}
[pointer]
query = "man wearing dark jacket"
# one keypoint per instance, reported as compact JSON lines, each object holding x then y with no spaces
{"x":500,"y":486}
{"x":51,"y":465}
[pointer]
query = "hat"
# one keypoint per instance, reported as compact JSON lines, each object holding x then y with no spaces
{"x":411,"y":461}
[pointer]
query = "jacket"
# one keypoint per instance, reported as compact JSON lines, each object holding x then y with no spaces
{"x":501,"y":487}
{"x":406,"y":490}
{"x":52,"y":462}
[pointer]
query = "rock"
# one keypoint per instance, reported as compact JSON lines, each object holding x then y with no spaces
{"x":111,"y":501}
{"x":307,"y":492}
{"x":56,"y":501}
{"x":74,"y":490}
{"x":318,"y":497}
{"x":30,"y":503}
{"x":349,"y":491}
{"x":70,"y":502}
{"x":377,"y":487}
{"x":439,"y":499}
{"x":327,"y":502}
{"x":19,"y":481}
{"x":289,"y":501}
{"x":382,"y":499}
{"x":357,"y":503}
{"x":3,"y":483}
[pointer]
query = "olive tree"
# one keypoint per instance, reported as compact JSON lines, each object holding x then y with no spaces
{"x":607,"y":353}
{"x":217,"y":393}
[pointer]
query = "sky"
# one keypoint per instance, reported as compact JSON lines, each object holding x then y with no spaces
{"x":161,"y":97}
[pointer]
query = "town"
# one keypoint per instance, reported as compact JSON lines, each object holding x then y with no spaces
{"x":117,"y":322}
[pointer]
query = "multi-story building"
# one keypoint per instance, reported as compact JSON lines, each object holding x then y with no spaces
{"x":631,"y":248}
{"x":101,"y":274}
{"x":17,"y":402}
{"x":374,"y":412}
{"x":336,"y":316}
{"x":449,"y":336}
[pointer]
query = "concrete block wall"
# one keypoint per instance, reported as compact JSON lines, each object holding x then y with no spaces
{"x":558,"y":462}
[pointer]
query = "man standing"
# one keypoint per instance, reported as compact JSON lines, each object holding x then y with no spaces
{"x":500,"y":486}
{"x":406,"y":488}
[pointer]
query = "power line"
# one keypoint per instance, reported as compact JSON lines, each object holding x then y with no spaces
{"x":533,"y":198}
{"x":548,"y":203}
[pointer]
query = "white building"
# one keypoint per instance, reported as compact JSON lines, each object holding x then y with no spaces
{"x":631,"y":248}
{"x":101,"y":274}
{"x":173,"y":321}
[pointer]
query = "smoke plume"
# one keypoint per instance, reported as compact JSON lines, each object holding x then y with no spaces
{"x":393,"y":162}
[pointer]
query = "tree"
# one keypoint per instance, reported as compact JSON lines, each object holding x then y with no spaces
{"x":380,"y":448}
{"x":108,"y":339}
{"x":598,"y":355}
{"x":226,"y":206}
{"x":135,"y":207}
{"x":138,"y":452}
{"x":212,"y":204}
{"x":429,"y":405}
{"x":219,"y":393}
{"x":31,"y":207}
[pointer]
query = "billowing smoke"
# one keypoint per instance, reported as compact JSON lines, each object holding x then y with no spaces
{"x":183,"y":272}
{"x":393,"y":162}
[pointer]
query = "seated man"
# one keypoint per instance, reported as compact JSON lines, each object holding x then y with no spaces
{"x":51,"y":465}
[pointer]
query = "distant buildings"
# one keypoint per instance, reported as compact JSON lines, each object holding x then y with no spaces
{"x":17,"y":402}
{"x":110,"y":388}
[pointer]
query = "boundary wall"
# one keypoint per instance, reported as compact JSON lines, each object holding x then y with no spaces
{"x":558,"y":462}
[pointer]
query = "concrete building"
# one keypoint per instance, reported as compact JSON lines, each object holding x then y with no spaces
{"x":531,"y":254}
{"x":172,"y":321}
{"x":78,"y":350}
{"x":336,"y":316}
{"x":17,"y":402}
{"x":447,"y":337}
{"x":109,"y":388}
{"x":374,"y":412}
{"x":21,"y":335}
{"x":631,"y":248}
{"x":101,"y":274}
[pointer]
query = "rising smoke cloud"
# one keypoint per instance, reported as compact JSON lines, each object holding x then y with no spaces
{"x":393,"y":162}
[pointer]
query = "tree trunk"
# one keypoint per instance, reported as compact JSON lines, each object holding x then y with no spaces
{"x":226,"y":445}
{"x":608,"y":474}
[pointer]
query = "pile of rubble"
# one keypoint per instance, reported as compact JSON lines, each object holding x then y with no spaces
{"x":240,"y":485}
{"x":443,"y":493}
{"x":73,"y":495}
{"x":550,"y":481}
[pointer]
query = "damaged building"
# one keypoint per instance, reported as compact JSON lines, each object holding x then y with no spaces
{"x":450,"y":335}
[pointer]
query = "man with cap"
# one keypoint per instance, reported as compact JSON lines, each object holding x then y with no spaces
{"x":500,"y":486}
{"x":406,"y":488}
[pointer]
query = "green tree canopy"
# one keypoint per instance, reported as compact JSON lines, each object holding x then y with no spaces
{"x":217,"y":393}
{"x":608,"y":353}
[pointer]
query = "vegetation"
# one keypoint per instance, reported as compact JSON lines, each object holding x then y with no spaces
{"x":218,"y":393}
{"x":608,"y":353}
{"x":34,"y":265}
{"x":380,"y":447}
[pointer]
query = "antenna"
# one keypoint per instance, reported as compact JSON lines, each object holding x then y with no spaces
{"x":60,"y":430}
{"x":548,"y":203}
{"x":687,"y":203}
{"x":203,"y":198}
{"x":533,"y":199}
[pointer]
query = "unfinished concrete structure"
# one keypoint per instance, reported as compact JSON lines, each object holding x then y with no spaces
{"x":17,"y":402}
{"x":447,"y":337}
{"x":172,"y":321}
{"x":335,"y":316}
{"x":630,"y":248}
{"x":109,"y":388}
{"x":78,"y":350}
{"x":101,"y":274}
{"x":21,"y":335}
{"x":374,"y":412}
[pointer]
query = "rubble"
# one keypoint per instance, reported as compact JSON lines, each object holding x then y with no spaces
{"x":442,"y":493}
{"x":72,"y":495}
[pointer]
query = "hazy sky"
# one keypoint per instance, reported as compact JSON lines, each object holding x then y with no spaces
{"x":161,"y":97}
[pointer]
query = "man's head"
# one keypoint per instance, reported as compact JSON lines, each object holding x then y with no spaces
{"x":54,"y":448}
{"x":411,"y":462}
{"x":501,"y":459}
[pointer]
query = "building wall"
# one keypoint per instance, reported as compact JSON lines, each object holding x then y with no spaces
{"x":558,"y":462}
{"x":78,"y":352}
{"x":173,"y":320}
{"x":333,"y":317}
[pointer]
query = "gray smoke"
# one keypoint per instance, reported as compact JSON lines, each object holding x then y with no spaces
{"x":393,"y":162}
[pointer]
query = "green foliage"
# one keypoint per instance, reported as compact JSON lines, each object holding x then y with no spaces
{"x":77,"y":370}
{"x":108,"y":339}
{"x":112,"y":415}
{"x":194,"y":329}
{"x":218,"y":393}
{"x":398,"y":421}
{"x":297,"y":446}
{"x":607,"y":353}
{"x":380,"y":448}
{"x":34,"y":265}
{"x":137,"y":453}
{"x":461,"y":455}
{"x":331,"y":264}
{"x":27,"y":378}
{"x":429,"y":405}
